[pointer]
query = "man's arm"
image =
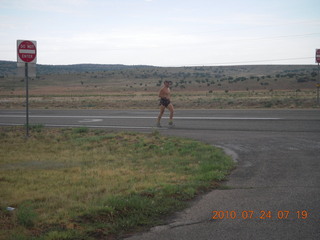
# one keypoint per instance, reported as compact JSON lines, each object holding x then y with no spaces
{"x":162,"y":93}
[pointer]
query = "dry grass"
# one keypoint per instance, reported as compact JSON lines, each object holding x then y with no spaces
{"x":182,"y":100}
{"x":192,"y":88}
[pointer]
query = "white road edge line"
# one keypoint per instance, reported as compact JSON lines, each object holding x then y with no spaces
{"x":136,"y":117}
{"x":89,"y":126}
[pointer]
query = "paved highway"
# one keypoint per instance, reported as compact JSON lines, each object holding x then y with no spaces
{"x":218,"y":120}
{"x":274,"y":192}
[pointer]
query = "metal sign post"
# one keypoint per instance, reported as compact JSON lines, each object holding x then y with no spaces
{"x":27,"y":98}
{"x":318,"y":84}
{"x":26,"y":53}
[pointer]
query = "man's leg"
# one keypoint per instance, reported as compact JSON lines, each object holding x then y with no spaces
{"x":171,"y":109}
{"x":162,"y":108}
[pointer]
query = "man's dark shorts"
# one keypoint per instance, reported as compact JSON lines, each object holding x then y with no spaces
{"x":164,"y":102}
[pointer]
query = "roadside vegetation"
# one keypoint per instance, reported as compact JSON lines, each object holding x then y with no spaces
{"x":128,"y":87}
{"x":96,"y":184}
{"x":182,"y":100}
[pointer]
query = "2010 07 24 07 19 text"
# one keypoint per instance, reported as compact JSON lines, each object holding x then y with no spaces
{"x":261,"y":214}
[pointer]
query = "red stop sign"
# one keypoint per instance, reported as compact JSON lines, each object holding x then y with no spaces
{"x":27,"y":51}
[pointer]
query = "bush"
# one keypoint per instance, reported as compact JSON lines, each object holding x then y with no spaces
{"x":81,"y":130}
{"x":26,"y":216}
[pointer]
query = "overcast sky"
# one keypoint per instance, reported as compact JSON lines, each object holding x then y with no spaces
{"x":163,"y":32}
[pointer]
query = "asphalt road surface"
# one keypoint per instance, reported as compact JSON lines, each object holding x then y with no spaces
{"x":272,"y":194}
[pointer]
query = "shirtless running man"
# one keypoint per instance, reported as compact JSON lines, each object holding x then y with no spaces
{"x":164,"y":95}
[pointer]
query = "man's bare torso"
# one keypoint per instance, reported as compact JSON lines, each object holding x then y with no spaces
{"x":164,"y":93}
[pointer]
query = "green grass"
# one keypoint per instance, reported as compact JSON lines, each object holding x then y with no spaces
{"x":92,"y":184}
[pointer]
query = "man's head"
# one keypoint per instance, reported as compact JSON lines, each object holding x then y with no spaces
{"x":167,"y":83}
